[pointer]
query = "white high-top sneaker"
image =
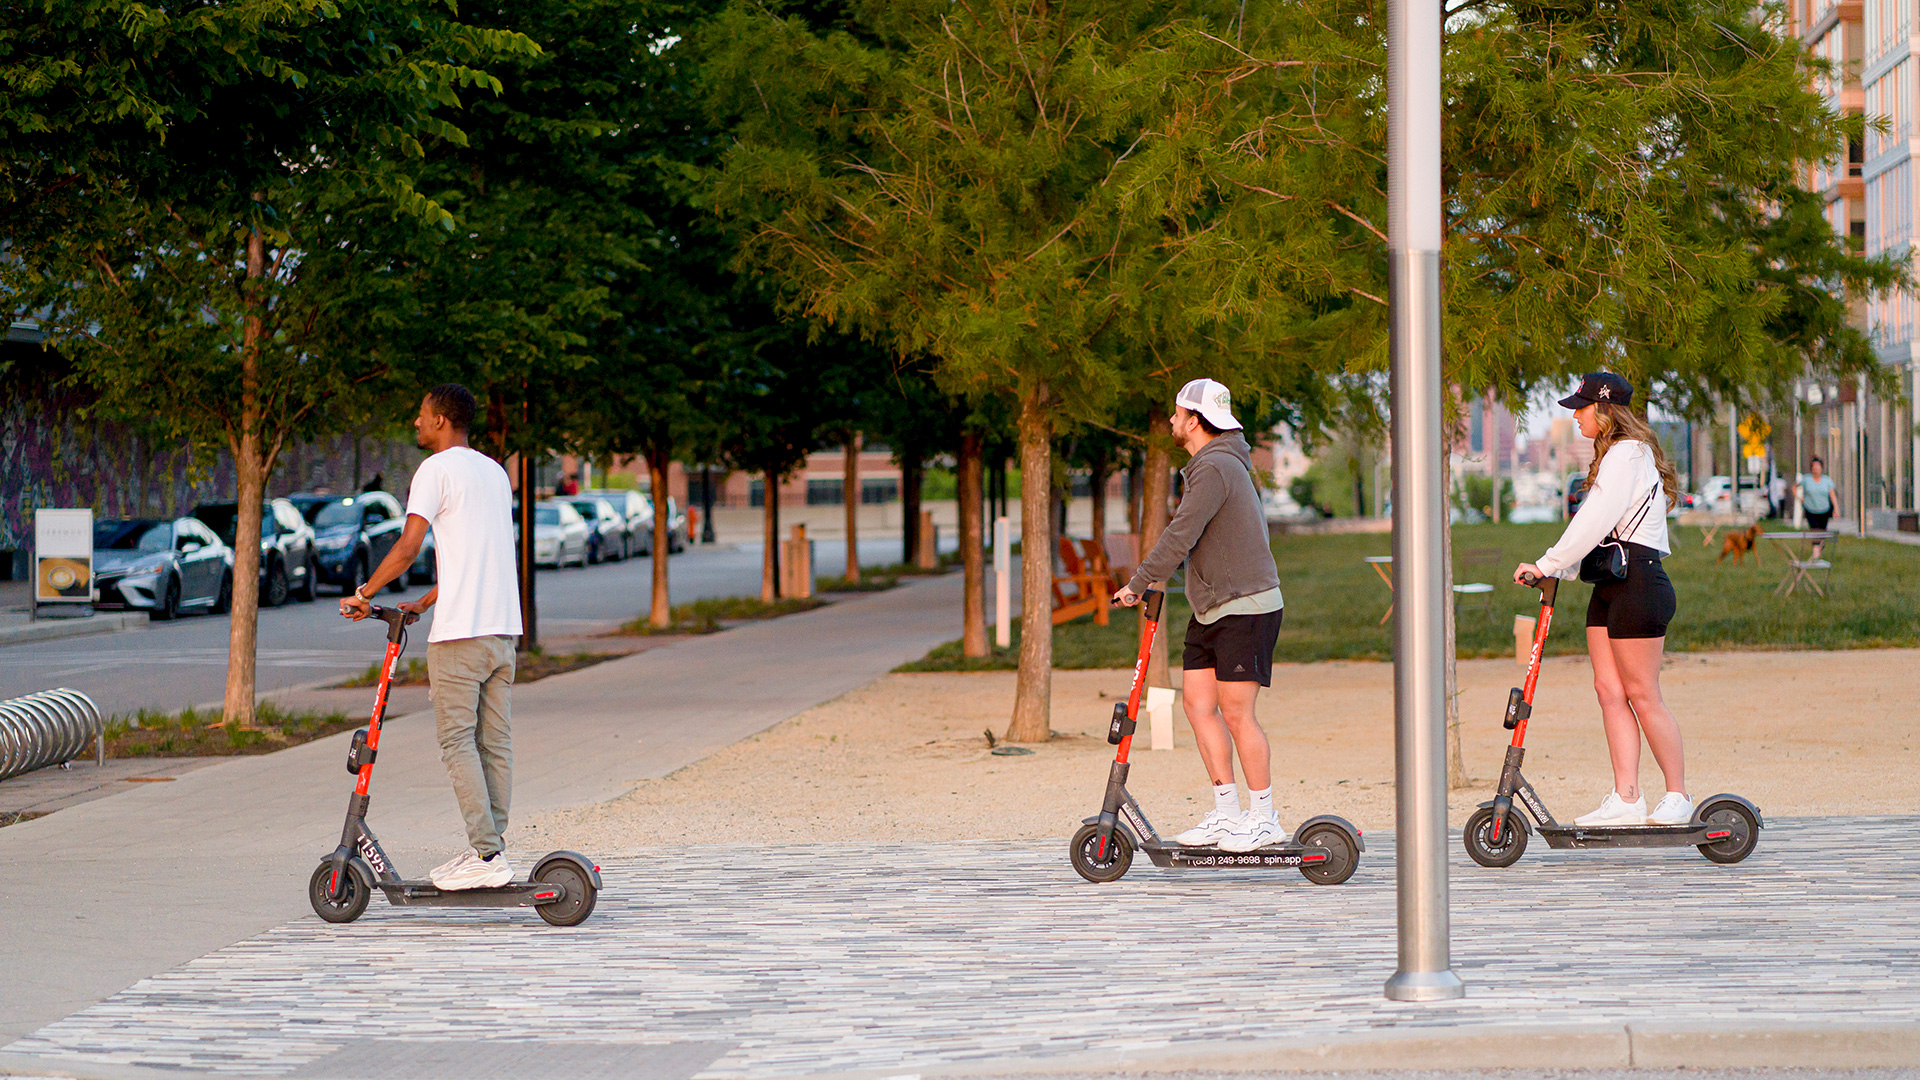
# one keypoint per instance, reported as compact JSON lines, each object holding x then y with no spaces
{"x":1615,"y":810}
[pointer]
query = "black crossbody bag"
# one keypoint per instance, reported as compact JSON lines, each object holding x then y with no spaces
{"x":1607,"y":562}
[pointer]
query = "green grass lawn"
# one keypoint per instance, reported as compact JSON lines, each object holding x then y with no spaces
{"x":1335,"y":601}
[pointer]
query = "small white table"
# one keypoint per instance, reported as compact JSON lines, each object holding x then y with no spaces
{"x":1796,"y":547}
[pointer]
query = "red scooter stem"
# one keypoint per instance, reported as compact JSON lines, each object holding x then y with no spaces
{"x":395,"y":620}
{"x":1548,"y":587}
{"x":1149,"y":624}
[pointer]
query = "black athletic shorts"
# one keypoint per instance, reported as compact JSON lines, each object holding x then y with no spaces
{"x":1639,"y":607}
{"x":1239,"y":648}
{"x":1817,"y":522}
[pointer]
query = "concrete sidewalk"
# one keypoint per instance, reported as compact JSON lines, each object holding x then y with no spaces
{"x":101,"y":895}
{"x":751,"y":962}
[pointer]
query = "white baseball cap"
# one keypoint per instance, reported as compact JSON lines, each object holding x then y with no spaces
{"x":1211,"y":400}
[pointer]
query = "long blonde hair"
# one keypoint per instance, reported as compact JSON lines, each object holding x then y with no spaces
{"x":1618,"y":423}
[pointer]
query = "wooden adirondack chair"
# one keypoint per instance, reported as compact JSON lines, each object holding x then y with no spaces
{"x":1086,"y":585}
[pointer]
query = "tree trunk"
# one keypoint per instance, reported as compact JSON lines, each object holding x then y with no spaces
{"x":973,"y":633}
{"x":770,"y":536}
{"x":1153,"y":521}
{"x":1033,"y":689}
{"x":660,"y":606}
{"x":1491,"y":432}
{"x":1097,"y":486}
{"x":911,"y":473}
{"x":529,"y":609}
{"x":850,"y":495}
{"x":249,"y":466}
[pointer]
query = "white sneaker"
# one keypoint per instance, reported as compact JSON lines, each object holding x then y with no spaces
{"x":470,"y":871}
{"x":1253,"y":832}
{"x":1615,"y":810}
{"x":1674,"y":809}
{"x":1215,"y":827}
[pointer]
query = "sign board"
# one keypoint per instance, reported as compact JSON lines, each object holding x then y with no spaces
{"x":62,"y":556}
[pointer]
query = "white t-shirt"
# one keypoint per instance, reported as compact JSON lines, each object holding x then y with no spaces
{"x":1618,"y":497}
{"x":464,"y":495}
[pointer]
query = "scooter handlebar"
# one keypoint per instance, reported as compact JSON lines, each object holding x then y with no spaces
{"x":394,"y":618}
{"x":1547,"y":585}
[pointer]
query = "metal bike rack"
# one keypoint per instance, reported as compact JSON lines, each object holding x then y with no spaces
{"x":51,"y":727}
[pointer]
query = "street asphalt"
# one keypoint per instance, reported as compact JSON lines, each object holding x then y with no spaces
{"x":174,"y":665}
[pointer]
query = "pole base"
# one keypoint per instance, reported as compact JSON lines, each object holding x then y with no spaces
{"x":1425,"y":986}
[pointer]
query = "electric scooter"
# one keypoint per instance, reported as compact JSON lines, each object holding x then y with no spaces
{"x":1326,"y":848}
{"x":562,"y":887}
{"x":1724,"y":827}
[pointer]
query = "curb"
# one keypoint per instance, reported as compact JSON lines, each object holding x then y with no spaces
{"x":55,"y":628}
{"x":1614,"y":1045}
{"x":1598,"y":1046}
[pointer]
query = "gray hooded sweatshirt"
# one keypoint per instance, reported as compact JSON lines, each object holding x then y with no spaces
{"x":1220,"y":530}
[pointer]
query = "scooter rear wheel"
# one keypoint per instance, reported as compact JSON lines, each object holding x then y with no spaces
{"x":1746,"y":831}
{"x":1087,"y":860}
{"x":353,"y":900}
{"x":573,"y":909}
{"x":1343,"y":855}
{"x":1487,"y":851}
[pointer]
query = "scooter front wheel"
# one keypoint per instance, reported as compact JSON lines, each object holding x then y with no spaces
{"x":358,"y":889}
{"x":1485,"y":849}
{"x":1094,"y":865}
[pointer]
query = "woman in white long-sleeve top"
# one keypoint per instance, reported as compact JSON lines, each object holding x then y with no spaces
{"x":1629,"y":488}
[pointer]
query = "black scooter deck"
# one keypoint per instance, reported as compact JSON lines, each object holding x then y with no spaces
{"x":513,"y":894}
{"x":1691,"y":834}
{"x":1176,"y":856}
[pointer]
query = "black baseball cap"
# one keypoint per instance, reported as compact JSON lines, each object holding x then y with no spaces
{"x":1599,"y":386}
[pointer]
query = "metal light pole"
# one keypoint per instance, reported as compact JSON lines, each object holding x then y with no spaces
{"x":1419,"y":503}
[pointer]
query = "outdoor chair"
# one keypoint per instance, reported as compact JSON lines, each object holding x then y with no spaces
{"x":1085,"y":586}
{"x":1472,"y":562}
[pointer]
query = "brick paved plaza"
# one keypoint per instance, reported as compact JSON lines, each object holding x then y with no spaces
{"x":752,"y":962}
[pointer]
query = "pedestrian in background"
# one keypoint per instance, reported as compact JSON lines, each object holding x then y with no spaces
{"x":1816,"y":492}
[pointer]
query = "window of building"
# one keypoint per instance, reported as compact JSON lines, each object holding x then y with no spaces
{"x":825,"y":493}
{"x":875,"y":492}
{"x":756,"y":493}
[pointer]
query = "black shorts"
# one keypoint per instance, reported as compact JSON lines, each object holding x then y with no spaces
{"x":1239,"y":648}
{"x":1639,"y":607}
{"x":1817,"y":522}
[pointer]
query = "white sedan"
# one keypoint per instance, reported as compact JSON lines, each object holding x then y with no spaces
{"x":559,"y":535}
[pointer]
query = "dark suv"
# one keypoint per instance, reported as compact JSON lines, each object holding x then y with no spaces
{"x":352,"y":533}
{"x":287,"y":564}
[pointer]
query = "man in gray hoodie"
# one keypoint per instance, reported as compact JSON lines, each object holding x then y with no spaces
{"x":1220,"y":531}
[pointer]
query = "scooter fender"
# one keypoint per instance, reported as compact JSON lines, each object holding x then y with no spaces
{"x":1728,"y":796}
{"x":1526,"y":825}
{"x":586,"y":865}
{"x":1335,"y":820}
{"x":1119,"y":826}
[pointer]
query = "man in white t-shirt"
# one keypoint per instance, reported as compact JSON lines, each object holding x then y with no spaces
{"x":464,"y":497}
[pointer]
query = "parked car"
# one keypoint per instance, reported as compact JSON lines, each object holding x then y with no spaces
{"x":607,"y":536}
{"x":287,"y":564}
{"x":1576,"y":492}
{"x":160,"y":566}
{"x":352,"y":533}
{"x":559,"y":534}
{"x":638,"y":511}
{"x":677,"y":535}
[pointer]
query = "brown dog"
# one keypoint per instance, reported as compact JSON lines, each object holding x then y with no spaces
{"x":1738,"y":544}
